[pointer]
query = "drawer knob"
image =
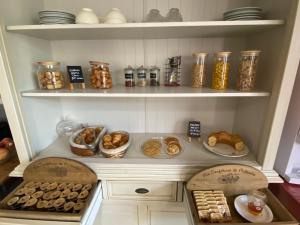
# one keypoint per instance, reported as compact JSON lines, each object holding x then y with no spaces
{"x":141,"y":191}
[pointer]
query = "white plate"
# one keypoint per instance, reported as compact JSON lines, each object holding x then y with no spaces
{"x":225,"y":150}
{"x":241,"y":206}
{"x":243,"y":9}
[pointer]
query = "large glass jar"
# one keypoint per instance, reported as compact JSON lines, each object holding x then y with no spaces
{"x":199,"y":70}
{"x":154,"y":76}
{"x":247,"y":70}
{"x":49,"y":75}
{"x":100,"y":75}
{"x":220,"y":75}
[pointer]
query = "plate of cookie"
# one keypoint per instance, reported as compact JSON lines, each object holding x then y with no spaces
{"x":161,"y":147}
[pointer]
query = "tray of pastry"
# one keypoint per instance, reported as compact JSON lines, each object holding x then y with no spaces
{"x":53,"y":189}
{"x":162,"y":147}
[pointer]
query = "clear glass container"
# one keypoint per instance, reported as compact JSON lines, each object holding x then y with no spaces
{"x":256,"y":202}
{"x":154,"y":16}
{"x":199,"y":70}
{"x":247,"y":70}
{"x":141,"y":76}
{"x":154,"y":76}
{"x":49,"y":75}
{"x":129,"y":77}
{"x":100,"y":75}
{"x":174,"y":15}
{"x":220,"y":74}
{"x":173,"y":71}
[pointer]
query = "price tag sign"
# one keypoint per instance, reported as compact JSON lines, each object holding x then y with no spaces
{"x":194,"y":129}
{"x":75,"y":74}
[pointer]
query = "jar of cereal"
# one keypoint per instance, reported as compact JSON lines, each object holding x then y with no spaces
{"x":199,"y":70}
{"x":220,"y":75}
{"x":247,"y":70}
{"x":141,"y":76}
{"x":49,"y":75}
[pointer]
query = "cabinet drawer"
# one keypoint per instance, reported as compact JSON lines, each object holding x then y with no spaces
{"x":142,"y":190}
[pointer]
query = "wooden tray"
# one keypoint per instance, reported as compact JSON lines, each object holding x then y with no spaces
{"x":53,"y":169}
{"x":234,"y":180}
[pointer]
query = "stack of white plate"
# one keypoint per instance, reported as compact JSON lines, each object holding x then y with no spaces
{"x":244,"y":13}
{"x":56,"y":17}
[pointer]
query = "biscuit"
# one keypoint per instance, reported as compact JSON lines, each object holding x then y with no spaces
{"x":173,"y":149}
{"x":152,"y":151}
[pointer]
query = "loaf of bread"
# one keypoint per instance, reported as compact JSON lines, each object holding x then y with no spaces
{"x":226,"y":138}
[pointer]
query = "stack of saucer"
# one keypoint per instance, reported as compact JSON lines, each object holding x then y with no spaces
{"x":56,"y":17}
{"x":244,"y":13}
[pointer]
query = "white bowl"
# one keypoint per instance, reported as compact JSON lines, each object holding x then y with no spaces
{"x":115,"y":16}
{"x":86,"y":16}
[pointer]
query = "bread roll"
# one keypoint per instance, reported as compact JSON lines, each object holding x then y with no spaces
{"x":226,"y":138}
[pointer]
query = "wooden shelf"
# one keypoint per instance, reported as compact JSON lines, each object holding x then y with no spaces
{"x":145,"y":30}
{"x":142,"y":92}
{"x":193,"y":157}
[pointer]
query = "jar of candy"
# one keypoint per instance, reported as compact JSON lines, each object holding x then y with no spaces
{"x":220,"y":75}
{"x":247,"y":70}
{"x":141,"y":76}
{"x":49,"y":75}
{"x":199,"y":70}
{"x":129,"y":77}
{"x":100,"y":75}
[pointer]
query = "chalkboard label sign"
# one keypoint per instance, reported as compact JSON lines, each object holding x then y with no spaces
{"x":75,"y":74}
{"x":194,"y":129}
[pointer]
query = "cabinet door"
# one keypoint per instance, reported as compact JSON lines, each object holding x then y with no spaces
{"x":116,"y":214}
{"x":167,"y":214}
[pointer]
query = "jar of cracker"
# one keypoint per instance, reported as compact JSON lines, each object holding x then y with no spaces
{"x":49,"y":75}
{"x":220,"y":75}
{"x":247,"y":70}
{"x":100,"y":75}
{"x":199,"y":70}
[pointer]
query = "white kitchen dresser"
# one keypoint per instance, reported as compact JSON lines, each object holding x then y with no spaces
{"x":258,"y":116}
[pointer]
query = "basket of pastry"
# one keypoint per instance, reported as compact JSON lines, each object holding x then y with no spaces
{"x":227,"y":194}
{"x":84,"y":142}
{"x":226,"y":144}
{"x":53,"y":189}
{"x":115,"y":144}
{"x":162,"y":147}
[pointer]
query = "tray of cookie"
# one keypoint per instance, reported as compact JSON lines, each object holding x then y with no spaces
{"x":53,"y":189}
{"x":162,"y":147}
{"x":220,"y":194}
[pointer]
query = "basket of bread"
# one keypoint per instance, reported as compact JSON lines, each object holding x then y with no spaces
{"x":84,"y":142}
{"x":115,"y":144}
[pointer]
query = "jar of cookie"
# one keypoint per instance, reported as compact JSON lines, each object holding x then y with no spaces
{"x":220,"y":75}
{"x":247,"y":70}
{"x":100,"y":75}
{"x":49,"y":75}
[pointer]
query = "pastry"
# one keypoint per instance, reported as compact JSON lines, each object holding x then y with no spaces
{"x":30,"y":202}
{"x":21,"y":191}
{"x":12,"y":201}
{"x":29,"y":191}
{"x":44,"y":186}
{"x":107,"y":138}
{"x":117,"y":139}
{"x":169,"y":140}
{"x":37,"y":194}
{"x":226,"y":138}
{"x":69,"y":186}
{"x":61,"y":186}
{"x":47,"y":195}
{"x":52,"y":186}
{"x":83,"y":194}
{"x":32,"y":185}
{"x":68,"y":206}
{"x":55,"y":194}
{"x":77,"y":187}
{"x":87,"y":187}
{"x":59,"y":203}
{"x":24,"y":199}
{"x":72,"y":195}
{"x":41,"y":204}
{"x":65,"y":193}
{"x":152,"y":151}
{"x":173,"y":149}
{"x":78,"y":206}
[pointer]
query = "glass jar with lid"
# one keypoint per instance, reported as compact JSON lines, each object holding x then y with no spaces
{"x":154,"y":76}
{"x":199,"y":70}
{"x":129,"y":77}
{"x":100,"y":75}
{"x":141,"y":76}
{"x":247,"y":70}
{"x":220,"y":75}
{"x":49,"y":75}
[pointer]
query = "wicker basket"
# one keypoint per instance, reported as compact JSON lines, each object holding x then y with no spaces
{"x":114,"y":156}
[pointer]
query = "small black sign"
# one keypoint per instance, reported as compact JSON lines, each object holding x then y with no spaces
{"x":75,"y":74}
{"x":194,"y":129}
